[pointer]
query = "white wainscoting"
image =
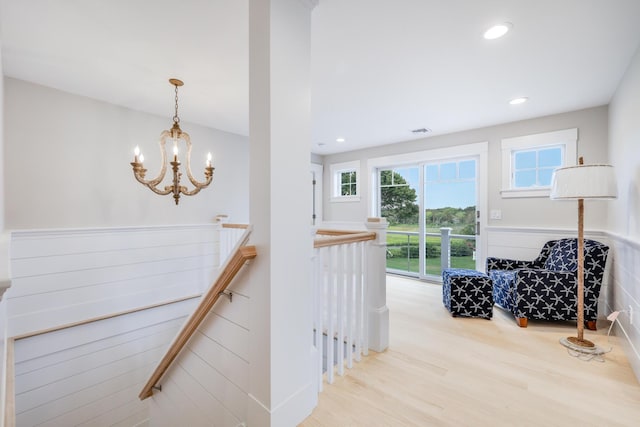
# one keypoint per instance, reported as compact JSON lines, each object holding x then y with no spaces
{"x":61,"y":277}
{"x":91,"y":374}
{"x":624,"y":292}
{"x":209,"y":381}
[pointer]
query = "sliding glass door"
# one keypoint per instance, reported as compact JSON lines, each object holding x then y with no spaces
{"x":426,"y":205}
{"x":451,"y":215}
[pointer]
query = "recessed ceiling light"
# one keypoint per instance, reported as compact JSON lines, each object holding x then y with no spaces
{"x":521,"y":100}
{"x":497,"y":31}
{"x":340,"y":139}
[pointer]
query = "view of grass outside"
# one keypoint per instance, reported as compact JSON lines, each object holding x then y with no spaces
{"x":446,"y":184}
{"x":402,"y":250}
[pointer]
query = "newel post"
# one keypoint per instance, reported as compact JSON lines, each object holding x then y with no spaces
{"x":445,"y":248}
{"x":377,"y":285}
{"x":223,"y":238}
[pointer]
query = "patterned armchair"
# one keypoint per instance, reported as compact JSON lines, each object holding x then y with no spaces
{"x":545,"y":288}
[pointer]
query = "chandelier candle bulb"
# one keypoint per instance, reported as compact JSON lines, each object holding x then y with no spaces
{"x":141,"y":158}
{"x":136,"y":153}
{"x":208,"y":160}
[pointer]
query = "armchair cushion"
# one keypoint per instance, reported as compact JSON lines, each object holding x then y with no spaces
{"x":563,"y":256}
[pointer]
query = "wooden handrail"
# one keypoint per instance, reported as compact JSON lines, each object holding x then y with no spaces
{"x":230,"y":225}
{"x":104,"y":317}
{"x":340,"y":238}
{"x":328,"y":232}
{"x":240,"y":255}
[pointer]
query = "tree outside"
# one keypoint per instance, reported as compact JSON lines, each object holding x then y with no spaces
{"x":398,"y":204}
{"x":398,"y":200}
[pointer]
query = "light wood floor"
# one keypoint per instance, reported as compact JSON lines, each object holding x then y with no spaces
{"x":445,"y":371}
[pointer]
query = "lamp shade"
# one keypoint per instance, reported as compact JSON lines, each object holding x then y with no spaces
{"x":584,"y":182}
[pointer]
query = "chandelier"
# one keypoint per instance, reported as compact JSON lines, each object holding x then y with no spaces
{"x":175,"y":135}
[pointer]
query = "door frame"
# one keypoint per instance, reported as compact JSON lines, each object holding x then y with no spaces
{"x":479,"y":150}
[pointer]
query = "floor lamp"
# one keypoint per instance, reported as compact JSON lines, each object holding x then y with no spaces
{"x":582,"y":182}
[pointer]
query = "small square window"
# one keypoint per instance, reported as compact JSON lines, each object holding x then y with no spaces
{"x":528,"y":161}
{"x":348,"y":185}
{"x":345,"y":182}
{"x":534,"y":168}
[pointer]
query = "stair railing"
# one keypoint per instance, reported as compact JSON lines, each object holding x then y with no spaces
{"x":340,"y":299}
{"x":240,"y":254}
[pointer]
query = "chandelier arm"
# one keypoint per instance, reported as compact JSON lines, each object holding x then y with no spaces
{"x":208,"y":173}
{"x":196,"y":189}
{"x":138,"y":173}
{"x":167,"y":190}
{"x":163,"y":160}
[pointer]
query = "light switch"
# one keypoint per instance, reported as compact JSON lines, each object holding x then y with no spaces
{"x":495,"y":214}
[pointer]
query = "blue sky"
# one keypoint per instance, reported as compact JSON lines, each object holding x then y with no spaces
{"x":449,"y":184}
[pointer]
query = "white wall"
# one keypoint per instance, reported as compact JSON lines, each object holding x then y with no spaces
{"x":67,"y":164}
{"x":91,"y":375}
{"x":624,"y":213}
{"x":592,"y":144}
{"x":2,"y":174}
{"x":4,"y":261}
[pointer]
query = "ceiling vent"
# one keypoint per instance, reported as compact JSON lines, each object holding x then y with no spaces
{"x":421,"y":130}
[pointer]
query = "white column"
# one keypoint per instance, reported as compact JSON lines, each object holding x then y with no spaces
{"x":376,"y":286}
{"x":281,"y":389}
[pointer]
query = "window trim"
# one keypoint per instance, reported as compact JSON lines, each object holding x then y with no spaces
{"x":337,"y":169}
{"x":568,"y":138}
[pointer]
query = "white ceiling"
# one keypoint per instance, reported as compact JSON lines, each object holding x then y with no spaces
{"x":380,"y":68}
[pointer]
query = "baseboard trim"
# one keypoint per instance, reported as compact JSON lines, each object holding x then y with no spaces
{"x":292,"y":411}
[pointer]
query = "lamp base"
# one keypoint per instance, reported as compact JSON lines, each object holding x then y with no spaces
{"x":582,"y":348}
{"x":577,"y":342}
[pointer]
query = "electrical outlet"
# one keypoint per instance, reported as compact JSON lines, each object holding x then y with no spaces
{"x":630,"y":315}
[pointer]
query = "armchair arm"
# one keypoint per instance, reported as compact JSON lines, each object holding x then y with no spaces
{"x":512,"y":264}
{"x":507,"y":264}
{"x":545,"y":294}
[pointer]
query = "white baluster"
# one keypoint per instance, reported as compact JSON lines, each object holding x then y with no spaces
{"x":330,"y":295}
{"x":350,"y":308}
{"x":365,"y":299}
{"x":359,"y":299}
{"x":340,"y":288}
{"x":319,"y":280}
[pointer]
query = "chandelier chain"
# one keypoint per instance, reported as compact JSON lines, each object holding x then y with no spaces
{"x":176,"y":119}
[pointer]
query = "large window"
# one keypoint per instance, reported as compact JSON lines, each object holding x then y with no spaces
{"x":528,"y":161}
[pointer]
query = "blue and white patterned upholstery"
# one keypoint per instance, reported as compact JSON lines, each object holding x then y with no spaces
{"x":467,"y":293}
{"x":546,"y":288}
